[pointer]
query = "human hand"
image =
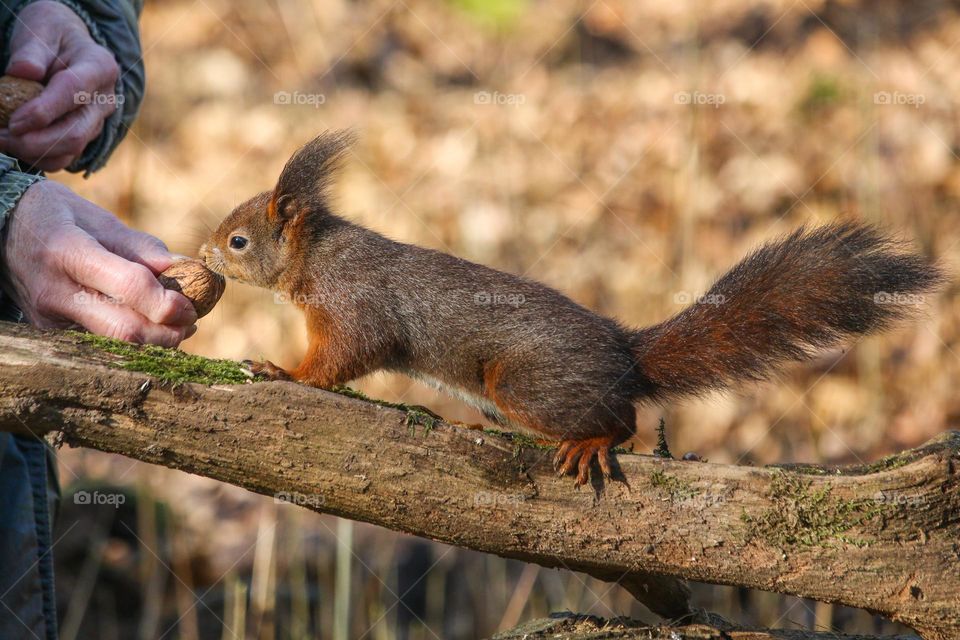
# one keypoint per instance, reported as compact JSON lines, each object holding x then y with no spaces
{"x":70,"y":262}
{"x":51,"y":44}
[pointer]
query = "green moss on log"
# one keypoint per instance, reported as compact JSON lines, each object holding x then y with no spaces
{"x":170,"y":366}
{"x":174,"y":367}
{"x":805,"y":515}
{"x":673,"y":486}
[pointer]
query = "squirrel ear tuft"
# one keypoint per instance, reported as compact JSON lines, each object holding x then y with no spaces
{"x":307,"y":176}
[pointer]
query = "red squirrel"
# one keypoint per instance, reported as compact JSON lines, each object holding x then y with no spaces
{"x":540,"y":361}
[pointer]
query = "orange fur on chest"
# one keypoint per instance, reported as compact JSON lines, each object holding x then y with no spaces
{"x":327,"y":362}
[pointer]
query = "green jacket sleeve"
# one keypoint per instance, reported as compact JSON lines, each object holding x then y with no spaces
{"x":13,"y":182}
{"x":112,"y":24}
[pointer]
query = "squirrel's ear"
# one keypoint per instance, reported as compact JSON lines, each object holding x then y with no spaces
{"x":305,"y":179}
{"x":279,"y":209}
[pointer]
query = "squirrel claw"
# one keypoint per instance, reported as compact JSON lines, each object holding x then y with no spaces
{"x":560,"y":457}
{"x":267,"y":369}
{"x":579,"y":454}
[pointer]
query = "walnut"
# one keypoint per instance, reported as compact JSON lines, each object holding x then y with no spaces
{"x":200,"y":285}
{"x":13,"y":93}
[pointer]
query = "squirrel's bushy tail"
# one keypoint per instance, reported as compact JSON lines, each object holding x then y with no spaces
{"x":806,"y":292}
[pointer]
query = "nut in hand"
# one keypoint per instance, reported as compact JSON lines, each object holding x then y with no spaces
{"x":200,"y":285}
{"x":13,"y":93}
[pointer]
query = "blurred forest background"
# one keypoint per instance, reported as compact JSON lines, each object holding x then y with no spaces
{"x":624,"y":152}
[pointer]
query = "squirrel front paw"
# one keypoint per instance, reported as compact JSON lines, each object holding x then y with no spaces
{"x":267,"y":370}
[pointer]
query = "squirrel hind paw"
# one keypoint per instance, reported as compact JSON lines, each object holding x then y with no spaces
{"x":267,"y":370}
{"x":579,"y":454}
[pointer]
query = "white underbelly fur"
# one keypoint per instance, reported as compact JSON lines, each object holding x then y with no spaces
{"x":478,"y":402}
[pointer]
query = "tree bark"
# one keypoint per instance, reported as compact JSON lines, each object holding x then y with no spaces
{"x":883,"y":537}
{"x":580,"y":627}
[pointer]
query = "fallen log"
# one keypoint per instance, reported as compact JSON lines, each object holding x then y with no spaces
{"x":883,"y":537}
{"x":579,"y":627}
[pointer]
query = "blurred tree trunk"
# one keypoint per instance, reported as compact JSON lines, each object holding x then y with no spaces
{"x":883,"y":537}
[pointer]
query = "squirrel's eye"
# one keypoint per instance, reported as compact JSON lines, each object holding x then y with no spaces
{"x":238,"y":242}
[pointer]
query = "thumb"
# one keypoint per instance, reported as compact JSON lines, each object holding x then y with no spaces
{"x":119,"y":239}
{"x":31,"y":57}
{"x":139,"y":247}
